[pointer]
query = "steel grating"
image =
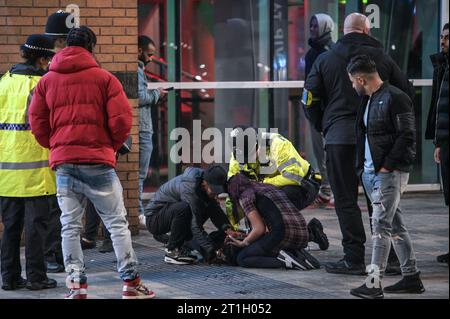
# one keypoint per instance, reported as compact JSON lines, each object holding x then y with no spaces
{"x":205,"y":281}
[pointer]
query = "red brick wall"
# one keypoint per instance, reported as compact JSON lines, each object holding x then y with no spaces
{"x":115,"y":23}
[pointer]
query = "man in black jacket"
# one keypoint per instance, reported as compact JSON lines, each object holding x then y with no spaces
{"x":182,"y":206}
{"x":331,"y":106}
{"x":437,"y":128}
{"x":386,"y":149}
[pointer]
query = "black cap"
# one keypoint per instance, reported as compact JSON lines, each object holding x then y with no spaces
{"x":216,"y":177}
{"x":57,"y":25}
{"x":82,"y":37}
{"x":39,"y":44}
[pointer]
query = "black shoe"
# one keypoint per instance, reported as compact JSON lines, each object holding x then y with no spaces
{"x":164,"y":238}
{"x":367,"y":293}
{"x":179,"y":257}
{"x":39,"y":285}
{"x":18,"y":284}
{"x":318,"y":236}
{"x":106,"y":246}
{"x":408,"y":285}
{"x":87,"y":244}
{"x":297,"y":260}
{"x":346,"y":268}
{"x":443,"y":259}
{"x":309,"y":259}
{"x":393,"y":269}
{"x":53,"y":267}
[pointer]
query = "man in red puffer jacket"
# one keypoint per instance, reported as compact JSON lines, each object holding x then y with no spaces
{"x":82,"y":114}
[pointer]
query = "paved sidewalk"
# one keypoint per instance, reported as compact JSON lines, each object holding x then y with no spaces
{"x":425,"y":215}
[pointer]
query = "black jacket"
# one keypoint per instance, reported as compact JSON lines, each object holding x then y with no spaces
{"x":440,"y":63}
{"x":186,"y":188}
{"x":318,"y":46}
{"x":442,"y":112}
{"x":391,"y":130}
{"x":328,"y":85}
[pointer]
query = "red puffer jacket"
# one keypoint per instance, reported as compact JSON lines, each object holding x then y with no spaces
{"x":80,"y":111}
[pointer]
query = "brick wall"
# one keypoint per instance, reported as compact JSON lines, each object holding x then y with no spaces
{"x":115,"y":23}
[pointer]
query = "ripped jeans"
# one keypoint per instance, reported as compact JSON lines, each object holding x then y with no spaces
{"x":384,"y":191}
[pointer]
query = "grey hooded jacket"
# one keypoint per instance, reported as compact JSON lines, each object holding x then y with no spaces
{"x":147,"y":99}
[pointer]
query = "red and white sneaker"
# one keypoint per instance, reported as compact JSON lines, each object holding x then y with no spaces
{"x":136,"y":290}
{"x":77,"y":291}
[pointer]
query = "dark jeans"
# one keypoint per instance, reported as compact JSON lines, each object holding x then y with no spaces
{"x":263,"y":252}
{"x":344,"y":184}
{"x":34,"y":214}
{"x":174,"y":218}
{"x":92,"y":223}
{"x":444,"y":170}
{"x":53,"y":249}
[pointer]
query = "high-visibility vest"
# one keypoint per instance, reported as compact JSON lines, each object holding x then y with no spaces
{"x":285,"y":166}
{"x":24,"y":166}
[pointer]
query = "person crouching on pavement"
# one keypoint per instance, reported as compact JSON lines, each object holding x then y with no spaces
{"x":386,"y":149}
{"x":182,"y":206}
{"x":82,"y":114}
{"x":278,"y":233}
{"x":27,"y":184}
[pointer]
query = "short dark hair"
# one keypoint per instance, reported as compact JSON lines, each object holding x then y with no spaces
{"x":362,"y":64}
{"x":144,"y":41}
{"x":445,"y":26}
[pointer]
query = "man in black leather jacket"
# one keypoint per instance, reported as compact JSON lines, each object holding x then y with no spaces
{"x":386,"y":149}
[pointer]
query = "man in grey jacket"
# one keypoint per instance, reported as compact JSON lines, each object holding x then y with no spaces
{"x":147,"y":100}
{"x":182,"y":206}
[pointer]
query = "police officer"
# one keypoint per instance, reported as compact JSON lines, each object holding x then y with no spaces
{"x":272,"y":159}
{"x":27,"y":183}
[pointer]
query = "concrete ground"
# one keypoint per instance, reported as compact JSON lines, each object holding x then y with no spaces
{"x":425,"y":215}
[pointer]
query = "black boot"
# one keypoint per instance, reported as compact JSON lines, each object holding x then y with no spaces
{"x":106,"y":246}
{"x":367,"y":293}
{"x":346,"y":268}
{"x":408,"y":285}
{"x":44,"y":284}
{"x":443,"y":259}
{"x":17,"y":284}
{"x":317,"y":235}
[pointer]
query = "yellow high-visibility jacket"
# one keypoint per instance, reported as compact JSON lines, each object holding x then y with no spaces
{"x":285,"y":167}
{"x":24,"y":167}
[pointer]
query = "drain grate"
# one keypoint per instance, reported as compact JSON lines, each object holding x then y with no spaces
{"x":205,"y":281}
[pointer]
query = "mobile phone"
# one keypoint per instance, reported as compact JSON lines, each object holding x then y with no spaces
{"x":170,"y":89}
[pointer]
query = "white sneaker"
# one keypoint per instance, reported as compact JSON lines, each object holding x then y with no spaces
{"x":142,"y":222}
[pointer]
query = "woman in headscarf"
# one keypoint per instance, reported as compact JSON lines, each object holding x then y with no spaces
{"x":278,"y":230}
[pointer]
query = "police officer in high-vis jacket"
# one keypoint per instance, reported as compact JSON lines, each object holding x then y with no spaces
{"x":272,"y":159}
{"x":27,"y":183}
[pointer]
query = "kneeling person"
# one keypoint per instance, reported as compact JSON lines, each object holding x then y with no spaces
{"x":182,"y":206}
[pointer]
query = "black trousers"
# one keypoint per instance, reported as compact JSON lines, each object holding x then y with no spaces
{"x":302,"y":196}
{"x":33,"y":213}
{"x":444,"y":170}
{"x":344,"y":181}
{"x":175,"y":218}
{"x":53,"y":249}
{"x":92,"y":223}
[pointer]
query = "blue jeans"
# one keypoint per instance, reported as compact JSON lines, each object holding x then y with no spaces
{"x":145,"y":155}
{"x":100,"y":184}
{"x":384,"y":191}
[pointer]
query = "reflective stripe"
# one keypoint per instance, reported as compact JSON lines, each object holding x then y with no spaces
{"x":293,"y":177}
{"x":28,"y":165}
{"x":288,"y":163}
{"x":14,"y":127}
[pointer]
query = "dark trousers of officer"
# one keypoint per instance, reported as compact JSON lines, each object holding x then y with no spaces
{"x":301,"y":196}
{"x":344,"y":184}
{"x":53,"y":249}
{"x":174,"y":218}
{"x":34,"y":214}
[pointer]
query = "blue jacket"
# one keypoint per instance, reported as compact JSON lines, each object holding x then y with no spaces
{"x":147,"y":99}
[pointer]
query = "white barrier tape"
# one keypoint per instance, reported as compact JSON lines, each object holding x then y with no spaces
{"x":250,"y":85}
